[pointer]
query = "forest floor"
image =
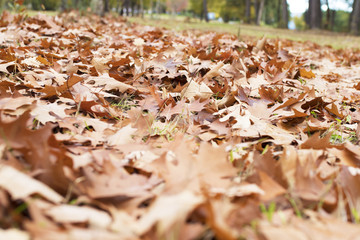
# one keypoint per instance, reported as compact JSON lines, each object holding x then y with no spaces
{"x":244,"y":31}
{"x":116,"y":130}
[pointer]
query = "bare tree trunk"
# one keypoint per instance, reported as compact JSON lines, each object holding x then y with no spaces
{"x":315,"y":14}
{"x":247,"y":11}
{"x":142,"y":8}
{"x":76,"y":3}
{"x":63,"y":5}
{"x":328,"y":12}
{"x":278,"y":13}
{"x":205,"y":11}
{"x":105,"y":7}
{"x":151,"y":8}
{"x":256,"y":7}
{"x":173,"y":8}
{"x":332,"y":19}
{"x":284,"y":14}
{"x":126,"y":5}
{"x":354,"y":25}
{"x":158,"y":8}
{"x":132,"y":7}
{"x":260,"y":12}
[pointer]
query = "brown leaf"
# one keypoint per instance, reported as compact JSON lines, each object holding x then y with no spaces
{"x":63,"y":89}
{"x":306,"y":73}
{"x":317,"y":142}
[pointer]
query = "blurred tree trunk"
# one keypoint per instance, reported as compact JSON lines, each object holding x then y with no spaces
{"x":355,"y":18}
{"x":247,"y":11}
{"x":119,"y":7}
{"x":132,"y":7}
{"x":314,"y":14}
{"x":76,"y":3}
{"x":105,"y":7}
{"x":142,"y":8}
{"x":157,"y":8}
{"x":328,"y":15}
{"x":256,"y":7}
{"x":151,"y":8}
{"x":278,"y":13}
{"x":205,"y":11}
{"x":63,"y":5}
{"x":307,"y":17}
{"x":260,"y":12}
{"x":284,"y":14}
{"x":332,"y":19}
{"x":126,"y":6}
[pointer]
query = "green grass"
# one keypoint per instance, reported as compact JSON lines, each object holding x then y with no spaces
{"x":336,"y":40}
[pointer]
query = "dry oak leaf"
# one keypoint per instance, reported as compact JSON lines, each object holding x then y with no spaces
{"x":79,"y":214}
{"x":315,"y":227}
{"x":270,"y":187}
{"x":108,"y":83}
{"x":115,"y":182}
{"x":123,"y":136}
{"x":306,"y":74}
{"x":214,"y":71}
{"x":169,"y":210}
{"x":310,"y":187}
{"x":348,"y":154}
{"x":51,"y":112}
{"x":39,"y":148}
{"x":194,"y":90}
{"x":21,"y":186}
{"x":316,"y":142}
{"x":58,"y":91}
{"x":349,"y":180}
{"x":241,"y":116}
{"x":14,"y":234}
{"x":239,"y":191}
{"x":4,"y":66}
{"x":213,"y":167}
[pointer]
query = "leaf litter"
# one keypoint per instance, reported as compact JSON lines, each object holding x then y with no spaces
{"x":114,"y":130}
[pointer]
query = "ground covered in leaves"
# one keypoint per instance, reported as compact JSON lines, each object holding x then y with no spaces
{"x":112,"y":130}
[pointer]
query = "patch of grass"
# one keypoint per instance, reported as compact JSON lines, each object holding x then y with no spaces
{"x":314,"y":114}
{"x":125,"y":103}
{"x":21,"y":208}
{"x":295,"y":207}
{"x":336,"y":40}
{"x":269,"y":211}
{"x":302,"y":81}
{"x":355,"y":215}
{"x":340,"y":137}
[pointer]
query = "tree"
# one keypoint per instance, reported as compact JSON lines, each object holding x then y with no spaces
{"x":314,"y":14}
{"x":63,"y":5}
{"x":142,"y":8}
{"x":259,"y":12}
{"x":105,"y":7}
{"x":205,"y":11}
{"x":284,"y":19}
{"x":247,"y":11}
{"x":355,"y":18}
{"x":125,"y":7}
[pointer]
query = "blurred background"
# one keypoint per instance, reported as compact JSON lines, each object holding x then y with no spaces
{"x":236,"y":16}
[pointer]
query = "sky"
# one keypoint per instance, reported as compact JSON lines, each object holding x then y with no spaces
{"x":297,"y":7}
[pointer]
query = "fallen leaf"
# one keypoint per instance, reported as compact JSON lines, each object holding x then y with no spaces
{"x":79,"y":214}
{"x":21,"y":186}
